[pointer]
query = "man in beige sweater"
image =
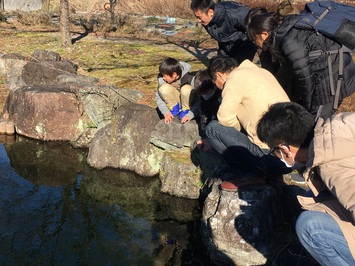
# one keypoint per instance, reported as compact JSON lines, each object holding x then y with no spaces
{"x":248,"y":91}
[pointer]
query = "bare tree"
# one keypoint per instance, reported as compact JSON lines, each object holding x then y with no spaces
{"x":111,"y":8}
{"x":65,"y":23}
{"x":46,"y":4}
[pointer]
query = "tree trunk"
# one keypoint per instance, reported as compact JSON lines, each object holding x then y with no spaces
{"x":65,"y":23}
{"x":113,"y":4}
{"x":46,"y":4}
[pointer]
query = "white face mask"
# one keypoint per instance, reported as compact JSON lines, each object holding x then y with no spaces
{"x":284,"y":161}
{"x":208,"y":96}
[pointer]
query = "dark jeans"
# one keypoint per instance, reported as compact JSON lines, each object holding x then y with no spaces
{"x":235,"y":147}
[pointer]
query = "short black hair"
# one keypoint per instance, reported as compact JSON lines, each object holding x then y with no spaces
{"x":253,"y":12}
{"x":221,"y":63}
{"x":169,"y":66}
{"x":286,"y":123}
{"x":203,"y":82}
{"x":202,"y":5}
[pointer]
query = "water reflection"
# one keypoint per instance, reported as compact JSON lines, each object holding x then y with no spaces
{"x":56,"y":210}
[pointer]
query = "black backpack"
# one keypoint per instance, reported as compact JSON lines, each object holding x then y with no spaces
{"x":337,"y":22}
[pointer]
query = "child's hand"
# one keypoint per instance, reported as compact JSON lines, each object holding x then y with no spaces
{"x":185,"y":119}
{"x":168,"y":118}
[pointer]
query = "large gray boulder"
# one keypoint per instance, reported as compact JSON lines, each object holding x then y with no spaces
{"x":46,"y":72}
{"x":42,"y":68}
{"x":46,"y":113}
{"x":49,"y":101}
{"x":44,"y":55}
{"x":11,"y":66}
{"x":179,"y":176}
{"x":64,"y":112}
{"x":125,"y":142}
{"x":239,"y":228}
{"x":101,"y":102}
{"x":175,"y":135}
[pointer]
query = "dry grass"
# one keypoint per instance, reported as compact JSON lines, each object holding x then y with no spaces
{"x":173,"y":8}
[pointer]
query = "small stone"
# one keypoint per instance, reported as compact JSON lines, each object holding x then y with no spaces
{"x":2,"y":127}
{"x":10,"y":128}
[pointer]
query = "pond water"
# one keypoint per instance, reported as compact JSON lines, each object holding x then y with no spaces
{"x":57,"y":210}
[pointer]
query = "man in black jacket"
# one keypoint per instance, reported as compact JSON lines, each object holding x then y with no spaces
{"x":224,"y":21}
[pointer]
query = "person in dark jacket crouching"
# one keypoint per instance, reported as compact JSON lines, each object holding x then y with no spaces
{"x":327,"y":149}
{"x":210,"y":98}
{"x":224,"y":21}
{"x":305,"y":52}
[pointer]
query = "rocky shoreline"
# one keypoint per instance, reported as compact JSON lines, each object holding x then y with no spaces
{"x":48,"y":101}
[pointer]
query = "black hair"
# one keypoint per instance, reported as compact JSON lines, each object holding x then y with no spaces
{"x":202,"y":5}
{"x":221,"y":63}
{"x":203,"y":82}
{"x":286,"y":123}
{"x":257,"y":23}
{"x":169,"y":66}
{"x":253,"y":12}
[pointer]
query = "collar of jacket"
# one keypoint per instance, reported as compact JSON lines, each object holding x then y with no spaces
{"x":286,"y":25}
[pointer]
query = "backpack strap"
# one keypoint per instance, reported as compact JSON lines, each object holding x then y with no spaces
{"x":325,"y":12}
{"x":336,"y":91}
{"x":340,"y":77}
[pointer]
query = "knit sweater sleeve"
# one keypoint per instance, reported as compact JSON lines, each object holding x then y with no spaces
{"x":227,"y":112}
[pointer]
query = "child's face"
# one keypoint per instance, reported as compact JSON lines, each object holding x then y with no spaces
{"x":170,"y":79}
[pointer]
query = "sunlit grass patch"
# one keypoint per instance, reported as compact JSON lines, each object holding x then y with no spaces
{"x":120,"y":62}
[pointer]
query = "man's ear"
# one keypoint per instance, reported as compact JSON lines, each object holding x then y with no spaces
{"x":288,"y":150}
{"x":210,"y":12}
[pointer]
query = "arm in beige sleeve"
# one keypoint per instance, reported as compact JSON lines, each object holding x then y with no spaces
{"x":227,"y":112}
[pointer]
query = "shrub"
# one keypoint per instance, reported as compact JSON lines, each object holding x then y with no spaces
{"x":33,"y":18}
{"x":2,"y":17}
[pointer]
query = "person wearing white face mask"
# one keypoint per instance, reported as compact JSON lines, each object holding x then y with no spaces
{"x":327,"y":148}
{"x":284,"y":149}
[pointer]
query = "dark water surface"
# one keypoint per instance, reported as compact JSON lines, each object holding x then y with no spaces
{"x":56,"y":210}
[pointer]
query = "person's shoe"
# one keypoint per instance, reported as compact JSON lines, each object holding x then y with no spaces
{"x":176,"y":109}
{"x":183,"y":113}
{"x":234,"y":185}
